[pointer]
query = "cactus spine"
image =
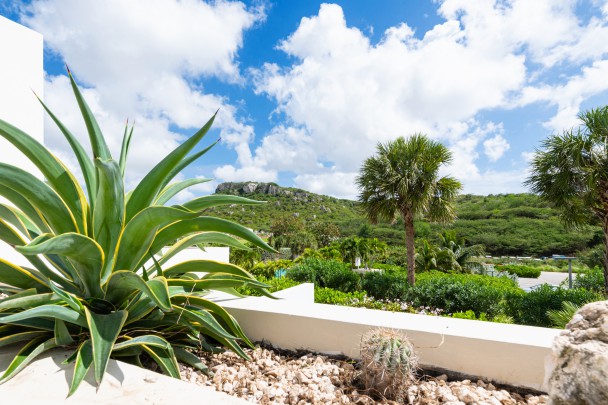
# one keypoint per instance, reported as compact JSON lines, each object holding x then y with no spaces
{"x":388,"y":362}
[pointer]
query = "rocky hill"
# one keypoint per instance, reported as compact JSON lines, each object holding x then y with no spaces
{"x":507,"y":224}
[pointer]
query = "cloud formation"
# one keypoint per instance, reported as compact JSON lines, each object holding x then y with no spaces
{"x":343,"y":93}
{"x":142,"y":59}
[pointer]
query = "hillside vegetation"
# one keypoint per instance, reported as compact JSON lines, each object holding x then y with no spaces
{"x":507,"y":224}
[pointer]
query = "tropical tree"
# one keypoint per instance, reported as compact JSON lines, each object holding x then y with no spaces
{"x":324,"y":232}
{"x":97,"y":282}
{"x":463,"y":255}
{"x":402,"y":179}
{"x":571,"y":172}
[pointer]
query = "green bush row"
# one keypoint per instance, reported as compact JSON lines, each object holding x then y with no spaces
{"x":325,"y":273}
{"x":530,"y":308}
{"x":521,"y":270}
{"x":468,"y":295}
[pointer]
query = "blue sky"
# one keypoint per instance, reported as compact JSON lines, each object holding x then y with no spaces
{"x":306,"y":89}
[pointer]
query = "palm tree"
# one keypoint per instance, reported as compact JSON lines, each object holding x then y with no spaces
{"x":571,"y":172}
{"x":402,"y":180}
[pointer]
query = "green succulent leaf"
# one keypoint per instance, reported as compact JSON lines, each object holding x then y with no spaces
{"x":20,"y":277}
{"x":147,"y":190}
{"x":124,"y":150}
{"x":185,"y":356}
{"x":201,"y":238}
{"x":165,"y":358}
{"x":10,"y":236}
{"x":172,"y":189}
{"x":37,"y":224}
{"x":29,"y":299}
{"x":148,"y":340}
{"x":109,"y":213}
{"x":84,"y":253}
{"x":18,"y":337}
{"x":180,"y":229}
{"x":46,"y":311}
{"x":57,"y":175}
{"x":10,"y":215}
{"x":62,"y":334}
{"x":207,"y":266}
{"x":104,"y":329}
{"x":86,"y":165}
{"x":124,"y":283}
{"x":216,"y":310}
{"x":140,"y":232}
{"x":84,"y":359}
{"x":98,"y":142}
{"x":27,"y":353}
{"x":47,"y":203}
{"x":185,"y":162}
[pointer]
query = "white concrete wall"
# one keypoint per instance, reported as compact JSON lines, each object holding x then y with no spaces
{"x":508,"y":354}
{"x":21,"y":72}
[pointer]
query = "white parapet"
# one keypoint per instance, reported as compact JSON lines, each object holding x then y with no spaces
{"x":507,"y":354}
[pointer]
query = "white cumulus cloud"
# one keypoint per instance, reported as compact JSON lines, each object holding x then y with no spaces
{"x":495,"y":147}
{"x":140,"y":59}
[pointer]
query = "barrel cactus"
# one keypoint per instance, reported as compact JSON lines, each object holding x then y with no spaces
{"x":97,"y":282}
{"x":388,"y":362}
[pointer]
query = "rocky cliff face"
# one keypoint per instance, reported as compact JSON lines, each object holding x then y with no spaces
{"x":251,"y":187}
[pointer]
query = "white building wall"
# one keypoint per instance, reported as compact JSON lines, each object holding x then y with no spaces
{"x":21,"y":72}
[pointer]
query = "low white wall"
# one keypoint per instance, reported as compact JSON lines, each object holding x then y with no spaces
{"x":508,"y":354}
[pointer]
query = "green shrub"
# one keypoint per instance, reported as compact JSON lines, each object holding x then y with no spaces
{"x":325,"y":295}
{"x":461,"y":292}
{"x":500,"y":318}
{"x":531,"y":308}
{"x":357,"y":299}
{"x":387,"y":267}
{"x":275,"y":284}
{"x":560,"y":317}
{"x":270,"y":268}
{"x":385,"y":285}
{"x":325,"y":273}
{"x":89,"y":287}
{"x":520,"y":270}
{"x":470,"y":315}
{"x":591,"y":280}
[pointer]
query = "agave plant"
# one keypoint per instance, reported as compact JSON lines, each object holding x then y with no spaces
{"x":89,"y":286}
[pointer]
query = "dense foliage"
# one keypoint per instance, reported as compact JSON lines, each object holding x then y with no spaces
{"x":520,"y":270}
{"x":531,"y":308}
{"x":506,"y":224}
{"x":569,"y":171}
{"x":325,"y":273}
{"x":98,"y":282}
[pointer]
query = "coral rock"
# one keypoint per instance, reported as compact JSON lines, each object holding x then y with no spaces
{"x":578,"y":365}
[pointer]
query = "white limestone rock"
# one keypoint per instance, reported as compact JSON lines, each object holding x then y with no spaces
{"x":577,"y":368}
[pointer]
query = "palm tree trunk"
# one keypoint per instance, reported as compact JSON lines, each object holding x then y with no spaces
{"x":408,"y":219}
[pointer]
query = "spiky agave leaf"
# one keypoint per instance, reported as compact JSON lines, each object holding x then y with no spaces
{"x":89,"y":287}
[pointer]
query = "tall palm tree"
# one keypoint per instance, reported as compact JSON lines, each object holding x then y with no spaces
{"x":571,"y":172}
{"x":402,"y":180}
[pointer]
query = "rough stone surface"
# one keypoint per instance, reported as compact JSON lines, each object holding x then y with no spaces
{"x":578,"y":365}
{"x":271,"y":378}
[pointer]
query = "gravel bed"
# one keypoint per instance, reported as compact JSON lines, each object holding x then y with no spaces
{"x":273,"y":378}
